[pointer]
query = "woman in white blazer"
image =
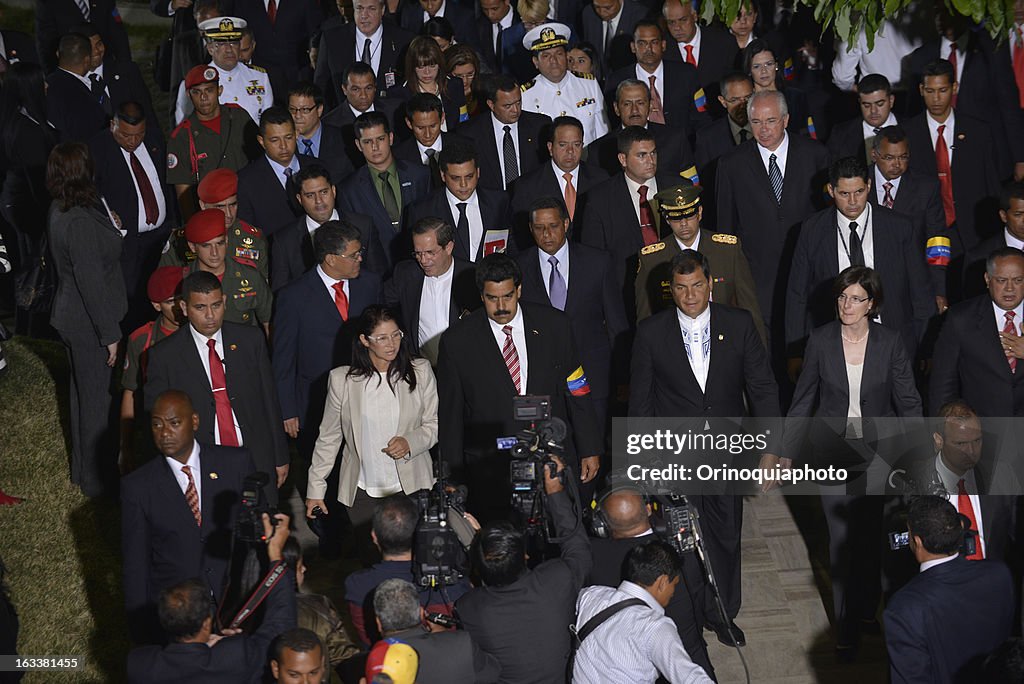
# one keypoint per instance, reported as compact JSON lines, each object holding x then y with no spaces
{"x":381,"y":412}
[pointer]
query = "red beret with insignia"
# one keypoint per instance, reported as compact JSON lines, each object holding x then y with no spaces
{"x":197,"y":75}
{"x":164,"y":283}
{"x":204,"y":226}
{"x":218,"y":185}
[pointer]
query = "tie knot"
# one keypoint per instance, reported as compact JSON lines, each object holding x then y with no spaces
{"x":961,"y":487}
{"x":339,"y":286}
{"x":288,"y":172}
{"x":553,"y":260}
{"x":188,"y":471}
{"x":506,"y":128}
{"x":567,"y":176}
{"x":876,"y":130}
{"x":887,"y":185}
{"x":307,"y":143}
{"x":384,"y":176}
{"x":1010,"y":314}
{"x":952,"y":47}
{"x":212,"y":344}
{"x":642,"y":190}
{"x":430,"y":152}
{"x":652,"y":78}
{"x":942,"y":129}
{"x":507,"y":330}
{"x":853,"y":226}
{"x":772,"y":157}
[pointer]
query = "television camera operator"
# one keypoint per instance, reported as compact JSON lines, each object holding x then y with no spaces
{"x":520,"y":616}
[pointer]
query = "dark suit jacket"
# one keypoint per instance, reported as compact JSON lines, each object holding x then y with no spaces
{"x":358,"y":195}
{"x":281,"y":46}
{"x":292,"y":250}
{"x":975,"y":179}
{"x":54,"y":18}
{"x":342,"y":117}
{"x":408,"y":150}
{"x":72,"y":109}
{"x":541,"y":182}
{"x":405,"y":288}
{"x":310,"y":339}
{"x":674,"y":152}
{"x":160,"y":540}
{"x":449,"y":658}
{"x":592,"y":304}
{"x":485,"y":40}
{"x":619,"y":55}
{"x":333,"y":152}
{"x":263,"y":201}
{"x":240,"y":658}
{"x":941,"y":625}
{"x":717,"y":54}
{"x":124,"y":83}
{"x":747,"y":207}
{"x":713,"y":142}
{"x":338,"y":50}
{"x":462,"y":21}
{"x":847,"y":140}
{"x":453,"y":104}
{"x":532,"y":131}
{"x":494,"y":211}
{"x":969,"y":363}
{"x":974,"y":264}
{"x":898,"y":261}
{"x":18,"y":47}
{"x":175,"y":364}
{"x":681,"y":82}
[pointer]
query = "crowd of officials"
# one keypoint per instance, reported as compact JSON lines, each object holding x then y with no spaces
{"x":372,"y":225}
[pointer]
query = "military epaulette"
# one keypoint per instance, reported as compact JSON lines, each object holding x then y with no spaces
{"x":724,"y":238}
{"x":254,"y":67}
{"x":141,"y":330}
{"x":249,"y":228}
{"x":186,"y":124}
{"x":583,"y":74}
{"x":651,"y":249}
{"x":529,"y":84}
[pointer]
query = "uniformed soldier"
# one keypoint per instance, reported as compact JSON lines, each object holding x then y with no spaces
{"x":248,"y":295}
{"x":246,"y":243}
{"x":731,"y":280}
{"x":558,"y":91}
{"x":211,"y":137}
{"x":243,"y":85}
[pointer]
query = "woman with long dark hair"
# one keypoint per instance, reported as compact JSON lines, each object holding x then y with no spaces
{"x":88,"y":306}
{"x":765,"y":67}
{"x":26,"y":138}
{"x":382,"y":412}
{"x":426,"y":72}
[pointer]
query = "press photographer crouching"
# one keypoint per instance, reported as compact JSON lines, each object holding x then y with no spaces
{"x":518,"y":615}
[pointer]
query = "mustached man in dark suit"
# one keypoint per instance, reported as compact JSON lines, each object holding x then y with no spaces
{"x":436,"y":291}
{"x":179,"y":512}
{"x":941,"y":625}
{"x":71,"y":106}
{"x":225,"y":369}
{"x":509,"y":349}
{"x":315,"y":138}
{"x":705,"y":360}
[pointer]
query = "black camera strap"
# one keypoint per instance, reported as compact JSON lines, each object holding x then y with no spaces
{"x":274,"y":575}
{"x":596,"y":621}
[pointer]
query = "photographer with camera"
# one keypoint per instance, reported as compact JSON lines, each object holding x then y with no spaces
{"x":519,"y":615}
{"x":955,"y":611}
{"x":199,"y":655}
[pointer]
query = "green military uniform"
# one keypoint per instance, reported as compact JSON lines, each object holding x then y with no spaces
{"x":194,"y":150}
{"x":249,"y":297}
{"x":246,"y":244}
{"x":139,"y":342}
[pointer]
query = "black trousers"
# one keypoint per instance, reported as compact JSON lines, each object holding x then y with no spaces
{"x":721,"y":520}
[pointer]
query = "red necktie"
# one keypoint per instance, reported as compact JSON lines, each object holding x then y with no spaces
{"x":192,"y":496}
{"x":145,"y":189}
{"x":945,"y":176}
{"x":219,"y":384}
{"x":689,"y":56}
{"x":656,"y":114}
{"x":570,"y":194}
{"x":647,"y":228}
{"x":511,"y":356}
{"x":887,"y":200}
{"x":963,"y":504}
{"x":1010,"y":329}
{"x":952,"y":60}
{"x":272,"y":11}
{"x":340,"y":300}
{"x":1018,"y":62}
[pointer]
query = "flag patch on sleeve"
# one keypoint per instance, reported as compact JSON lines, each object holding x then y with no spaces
{"x":577,"y":383}
{"x":699,"y":100}
{"x":937,"y":251}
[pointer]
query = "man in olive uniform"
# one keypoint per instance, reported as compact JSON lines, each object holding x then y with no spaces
{"x":248,"y":295}
{"x":246,"y":243}
{"x":213,"y":136}
{"x":731,"y":280}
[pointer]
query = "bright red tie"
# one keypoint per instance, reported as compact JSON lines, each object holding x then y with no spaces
{"x":511,"y":356}
{"x":963,"y":504}
{"x":689,"y":56}
{"x":145,"y":190}
{"x":192,"y":496}
{"x":952,"y":60}
{"x":945,"y":176}
{"x":272,"y":11}
{"x":1010,"y":329}
{"x":340,"y":299}
{"x":1018,"y":62}
{"x":219,"y":384}
{"x":647,"y":227}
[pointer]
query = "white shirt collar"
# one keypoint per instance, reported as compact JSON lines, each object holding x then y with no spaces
{"x":516,"y":322}
{"x":1011,"y":241}
{"x":659,"y":77}
{"x":575,"y":173}
{"x":201,"y":339}
{"x":696,"y":243}
{"x":374,"y":37}
{"x":83,"y":79}
{"x":454,"y":201}
{"x":437,"y":146}
{"x":695,"y":43}
{"x":781,"y":152}
{"x":192,"y":462}
{"x":506,"y":21}
{"x":699,"y":322}
{"x":869,"y":130}
{"x":634,"y":187}
{"x":312,"y":225}
{"x":499,"y":128}
{"x":880,"y":182}
{"x":1001,"y":315}
{"x":636,"y":591}
{"x":279,"y":170}
{"x":949,"y":123}
{"x":927,"y":565}
{"x":98,"y":71}
{"x":562,"y":255}
{"x":950,"y":479}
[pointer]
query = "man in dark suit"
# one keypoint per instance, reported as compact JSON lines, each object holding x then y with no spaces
{"x":71,"y":106}
{"x":723,"y":134}
{"x":481,"y":216}
{"x":608,"y":26}
{"x":240,"y":409}
{"x":167,"y":535}
{"x":947,"y":619}
{"x":1011,"y":213}
{"x":977,"y":353}
{"x":510,"y":140}
{"x":293,"y":252}
{"x":385,"y":187}
{"x":414,"y":15}
{"x":16,"y":46}
{"x":855,"y":233}
{"x":282,"y":31}
{"x":424,"y":115}
{"x":565,"y":177}
{"x":496,"y":17}
{"x":115,"y":82}
{"x":711,"y":50}
{"x":358,"y":96}
{"x":676,"y":374}
{"x":763,"y":212}
{"x":55,"y":18}
{"x":478,"y":376}
{"x":434,"y":293}
{"x":130,"y":175}
{"x":366,"y":40}
{"x":854,"y":138}
{"x":313,"y":137}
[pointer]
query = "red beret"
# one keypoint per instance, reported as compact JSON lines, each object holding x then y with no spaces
{"x":164,"y":283}
{"x":218,"y":185}
{"x":204,"y":226}
{"x":197,"y":75}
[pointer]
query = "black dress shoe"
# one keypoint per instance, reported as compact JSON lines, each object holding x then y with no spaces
{"x":738,"y":638}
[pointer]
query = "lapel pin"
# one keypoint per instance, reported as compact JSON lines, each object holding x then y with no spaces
{"x":233,"y":347}
{"x":721,"y":337}
{"x":960,"y":137}
{"x":213,"y":476}
{"x":535,"y":332}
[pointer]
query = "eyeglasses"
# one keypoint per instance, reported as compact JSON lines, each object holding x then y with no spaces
{"x":843,"y":298}
{"x":393,"y":337}
{"x":301,"y":110}
{"x":889,"y":158}
{"x":427,"y":253}
{"x":354,"y":257}
{"x":767,"y":66}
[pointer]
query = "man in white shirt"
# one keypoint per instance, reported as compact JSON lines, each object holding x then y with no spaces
{"x":892,"y":43}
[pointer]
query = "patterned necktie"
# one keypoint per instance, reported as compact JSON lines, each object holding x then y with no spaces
{"x":192,"y":496}
{"x":570,"y":195}
{"x":690,"y":59}
{"x":953,"y":60}
{"x":341,"y":299}
{"x":775,"y":177}
{"x":511,"y":356}
{"x":219,"y":385}
{"x":887,"y":201}
{"x":367,"y":57}
{"x":856,"y":249}
{"x":1018,"y":61}
{"x":647,"y":227}
{"x":145,"y":190}
{"x":272,"y":11}
{"x":1010,"y":329}
{"x":945,"y":176}
{"x":308,"y":144}
{"x":656,"y":114}
{"x":390,"y":201}
{"x":508,"y":148}
{"x":964,"y":505}
{"x":83,"y":6}
{"x":556,"y":285}
{"x":287,"y":176}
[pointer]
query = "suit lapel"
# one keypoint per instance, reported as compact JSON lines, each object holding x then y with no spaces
{"x":574,"y":290}
{"x":538,"y":350}
{"x":989,"y":337}
{"x":760,"y":175}
{"x":533,"y":277}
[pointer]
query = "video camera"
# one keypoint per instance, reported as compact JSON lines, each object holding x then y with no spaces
{"x":249,"y":525}
{"x":532,"y":451}
{"x":442,"y":534}
{"x":901,"y":540}
{"x":675,"y":523}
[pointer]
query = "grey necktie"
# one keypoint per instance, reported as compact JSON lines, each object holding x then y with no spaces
{"x":556,"y":285}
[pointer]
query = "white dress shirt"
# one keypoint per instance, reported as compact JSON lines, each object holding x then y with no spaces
{"x":879,"y":186}
{"x":947,"y":133}
{"x":1011,"y":241}
{"x":609,"y":27}
{"x":946,"y":45}
{"x":634,"y":194}
{"x":696,"y":243}
{"x":439,"y":13}
{"x":781,"y":155}
{"x":329,"y":284}
{"x":869,"y":130}
{"x":142,"y":154}
{"x":499,"y":140}
{"x":437,"y":146}
{"x":1000,"y":316}
{"x":204,"y":356}
{"x":312,"y":226}
{"x":697,"y":340}
{"x":279,"y":169}
{"x":519,"y":340}
{"x":435,"y":311}
{"x":864,"y":232}
{"x":504,"y":23}
{"x":99,"y":72}
{"x":563,"y":266}
{"x":356,"y":113}
{"x":696,"y":46}
{"x":378,"y":472}
{"x":892,"y":43}
{"x":473,"y":217}
{"x":659,"y":78}
{"x":951,"y":481}
{"x":375,"y":41}
{"x":927,"y":565}
{"x":182,"y":479}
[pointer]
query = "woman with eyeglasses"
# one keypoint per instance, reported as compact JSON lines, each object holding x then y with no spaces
{"x":381,"y":412}
{"x":855,"y":370}
{"x":765,"y":67}
{"x":426,"y":72}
